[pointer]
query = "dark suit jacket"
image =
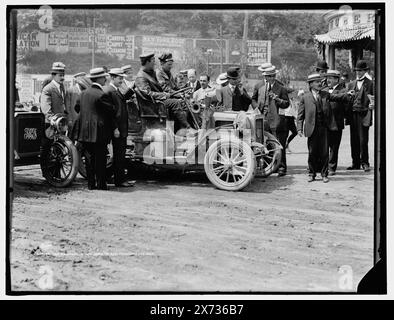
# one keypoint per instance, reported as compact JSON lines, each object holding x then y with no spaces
{"x":362,"y":100}
{"x":52,"y":101}
{"x":307,"y":112}
{"x":72,"y":97}
{"x":120,"y":108}
{"x":96,"y":116}
{"x":338,"y":109}
{"x":272,"y":113}
{"x":225,"y":98}
{"x":149,"y":94}
{"x":255,"y":94}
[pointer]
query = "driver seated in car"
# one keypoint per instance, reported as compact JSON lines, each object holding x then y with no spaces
{"x":233,"y":96}
{"x":152,"y":94}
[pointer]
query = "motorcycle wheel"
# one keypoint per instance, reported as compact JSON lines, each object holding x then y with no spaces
{"x":61,"y":163}
{"x":230,"y":164}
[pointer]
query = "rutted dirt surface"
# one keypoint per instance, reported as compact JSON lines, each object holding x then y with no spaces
{"x":179,"y":233}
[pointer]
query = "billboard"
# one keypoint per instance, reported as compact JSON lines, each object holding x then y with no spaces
{"x":258,"y":52}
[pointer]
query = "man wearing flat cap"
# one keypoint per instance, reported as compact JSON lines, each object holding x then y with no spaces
{"x":95,"y":128}
{"x":360,"y":116}
{"x":233,"y":96}
{"x":120,"y":132}
{"x":272,"y":102}
{"x":151,"y":97}
{"x":164,"y":75}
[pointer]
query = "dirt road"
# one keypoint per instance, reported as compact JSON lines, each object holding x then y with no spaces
{"x":182,"y":234}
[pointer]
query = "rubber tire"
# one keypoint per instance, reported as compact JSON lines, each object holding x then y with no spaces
{"x":271,"y":139}
{"x":74,"y":155}
{"x":211,"y":155}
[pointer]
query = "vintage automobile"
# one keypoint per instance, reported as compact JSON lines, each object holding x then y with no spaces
{"x":62,"y":157}
{"x":231,"y":147}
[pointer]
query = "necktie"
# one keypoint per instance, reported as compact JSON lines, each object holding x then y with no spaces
{"x":62,"y":90}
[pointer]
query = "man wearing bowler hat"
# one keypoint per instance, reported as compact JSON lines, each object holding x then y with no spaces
{"x":96,"y":126}
{"x":151,"y":97}
{"x":120,"y":132}
{"x":360,"y":116}
{"x":272,"y":99}
{"x":336,"y":121}
{"x":321,"y":68}
{"x":234,"y":96}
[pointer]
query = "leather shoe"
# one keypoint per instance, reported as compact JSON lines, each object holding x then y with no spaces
{"x":281,"y":173}
{"x":366,"y":168}
{"x":353,"y":168}
{"x":325,"y":179}
{"x":125,"y":184}
{"x":311,"y":178}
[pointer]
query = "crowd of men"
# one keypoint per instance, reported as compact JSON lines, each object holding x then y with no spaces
{"x":97,"y":110}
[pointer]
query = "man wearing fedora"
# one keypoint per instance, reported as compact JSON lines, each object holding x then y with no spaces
{"x":96,"y":125}
{"x":153,"y":100}
{"x":272,"y":98}
{"x":233,"y":96}
{"x":120,"y":132}
{"x":53,"y":95}
{"x":164,"y":75}
{"x":52,"y":101}
{"x":336,"y":121}
{"x":360,"y":116}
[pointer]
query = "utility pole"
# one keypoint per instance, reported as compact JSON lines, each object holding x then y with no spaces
{"x":221,"y":49}
{"x":93,"y":40}
{"x":244,"y":56}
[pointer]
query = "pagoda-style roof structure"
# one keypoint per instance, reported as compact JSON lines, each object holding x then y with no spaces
{"x":348,"y":29}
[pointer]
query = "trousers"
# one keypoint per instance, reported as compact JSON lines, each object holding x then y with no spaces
{"x":318,"y":151}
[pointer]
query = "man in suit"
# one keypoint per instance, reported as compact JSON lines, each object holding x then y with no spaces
{"x":312,"y":122}
{"x":336,"y":121}
{"x":152,"y":99}
{"x":193,"y":82}
{"x":96,"y":127}
{"x":120,"y":132}
{"x":321,"y":68}
{"x":52,"y":102}
{"x":258,"y":85}
{"x":53,"y":95}
{"x":360,"y":115}
{"x":164,"y":75}
{"x":72,"y":96}
{"x":272,"y":100}
{"x":233,"y":96}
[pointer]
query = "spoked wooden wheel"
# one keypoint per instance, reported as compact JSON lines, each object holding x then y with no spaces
{"x":230,"y":164}
{"x":61,"y":162}
{"x":269,"y":161}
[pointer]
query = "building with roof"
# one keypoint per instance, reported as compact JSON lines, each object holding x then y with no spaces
{"x":348,"y":29}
